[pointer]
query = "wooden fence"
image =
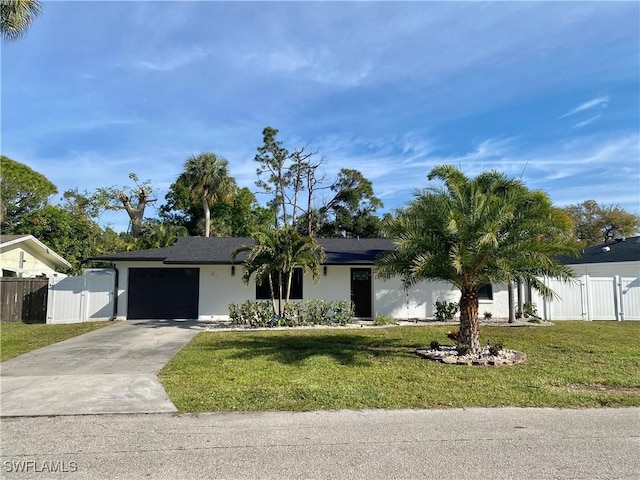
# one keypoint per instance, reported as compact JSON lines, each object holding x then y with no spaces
{"x":24,"y":299}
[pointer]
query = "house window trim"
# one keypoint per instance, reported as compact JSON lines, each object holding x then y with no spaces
{"x":483,"y":298}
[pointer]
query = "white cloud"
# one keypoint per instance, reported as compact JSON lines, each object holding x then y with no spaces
{"x":172,"y":60}
{"x":593,"y":103}
{"x":587,"y":121}
{"x":317,"y":64}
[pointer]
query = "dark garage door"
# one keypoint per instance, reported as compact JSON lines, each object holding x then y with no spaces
{"x":163,"y":293}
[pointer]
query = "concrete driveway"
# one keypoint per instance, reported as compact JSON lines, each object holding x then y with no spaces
{"x":110,"y":370}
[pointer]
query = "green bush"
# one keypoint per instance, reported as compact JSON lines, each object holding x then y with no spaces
{"x":235,"y":314}
{"x":495,"y":348}
{"x":462,"y":349}
{"x":292,"y":315}
{"x":311,"y":312}
{"x":384,"y":320}
{"x":445,"y":311}
{"x":343,"y":312}
{"x":530,"y":312}
{"x":315,"y":312}
{"x":251,"y":313}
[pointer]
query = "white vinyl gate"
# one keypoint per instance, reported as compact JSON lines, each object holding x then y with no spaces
{"x":85,"y":298}
{"x":594,"y":298}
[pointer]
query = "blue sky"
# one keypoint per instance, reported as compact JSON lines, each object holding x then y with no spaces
{"x":544,"y":90}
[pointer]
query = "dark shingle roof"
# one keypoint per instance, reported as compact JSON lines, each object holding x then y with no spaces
{"x":218,"y":250}
{"x":339,"y":251}
{"x":206,"y":250}
{"x":627,"y":250}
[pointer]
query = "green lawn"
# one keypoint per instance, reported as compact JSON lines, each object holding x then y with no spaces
{"x":17,"y":338}
{"x":573,"y":364}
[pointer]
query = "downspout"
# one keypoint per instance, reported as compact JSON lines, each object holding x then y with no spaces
{"x":115,"y":292}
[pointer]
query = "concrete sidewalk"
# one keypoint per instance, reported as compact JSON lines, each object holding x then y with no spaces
{"x":110,"y":370}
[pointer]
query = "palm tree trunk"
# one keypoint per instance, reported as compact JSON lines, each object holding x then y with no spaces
{"x":280,"y":293}
{"x":273,"y":297}
{"x":469,"y":333}
{"x":289,"y":286}
{"x":512,"y":313}
{"x":207,"y":214}
{"x":520,"y":292}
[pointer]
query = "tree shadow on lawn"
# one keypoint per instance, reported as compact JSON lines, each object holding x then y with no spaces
{"x":344,"y":348}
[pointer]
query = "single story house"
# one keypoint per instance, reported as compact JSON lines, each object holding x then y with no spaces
{"x":26,"y":256}
{"x":196,"y":279}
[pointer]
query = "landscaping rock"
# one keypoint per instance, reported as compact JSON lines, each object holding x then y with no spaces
{"x":447,"y":354}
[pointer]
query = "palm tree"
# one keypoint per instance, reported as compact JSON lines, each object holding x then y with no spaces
{"x":207,"y":178}
{"x":274,"y":256}
{"x":475,"y":232}
{"x":156,"y":234}
{"x":16,"y":16}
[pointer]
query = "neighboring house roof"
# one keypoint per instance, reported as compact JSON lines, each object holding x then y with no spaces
{"x":37,"y":245}
{"x":218,"y":250}
{"x":621,"y":250}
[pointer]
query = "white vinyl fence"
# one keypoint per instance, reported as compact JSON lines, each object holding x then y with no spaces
{"x":85,"y":298}
{"x":594,"y":298}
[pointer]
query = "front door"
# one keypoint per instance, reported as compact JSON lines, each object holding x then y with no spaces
{"x":361,"y":292}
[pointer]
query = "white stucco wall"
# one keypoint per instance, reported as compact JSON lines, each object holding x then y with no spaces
{"x":336,"y":285}
{"x":218,"y":288}
{"x":418,"y":302}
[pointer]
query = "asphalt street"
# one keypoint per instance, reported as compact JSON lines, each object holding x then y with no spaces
{"x":509,"y":443}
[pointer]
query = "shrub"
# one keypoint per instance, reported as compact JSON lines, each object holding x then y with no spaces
{"x":445,"y":311}
{"x":488,"y":315}
{"x":234,"y":314}
{"x":462,"y":349}
{"x":311,"y":312}
{"x":384,"y":320}
{"x":251,"y":313}
{"x":343,"y":312}
{"x":291,"y":315}
{"x":434,"y":345}
{"x":315,"y":312}
{"x":495,"y":348}
{"x":529,"y":309}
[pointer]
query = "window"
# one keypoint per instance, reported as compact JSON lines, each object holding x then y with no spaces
{"x":263,"y":292}
{"x":485,"y":293}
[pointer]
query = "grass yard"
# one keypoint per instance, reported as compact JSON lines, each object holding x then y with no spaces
{"x":573,"y":364}
{"x":17,"y":338}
